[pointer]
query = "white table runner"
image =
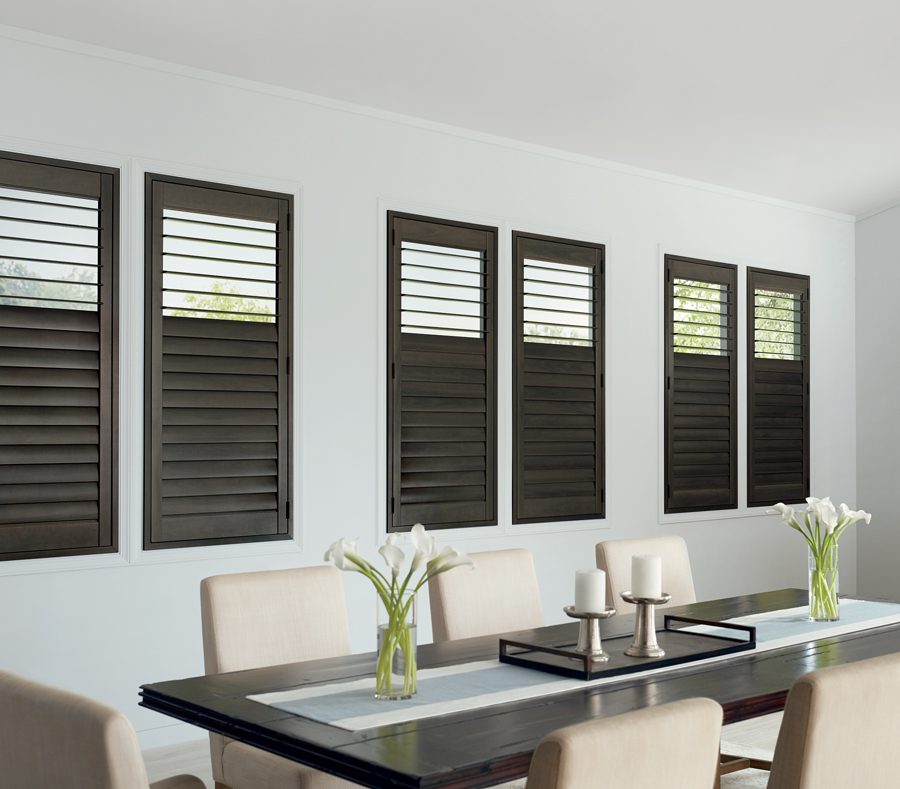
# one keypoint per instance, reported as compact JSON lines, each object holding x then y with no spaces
{"x":466,"y":686}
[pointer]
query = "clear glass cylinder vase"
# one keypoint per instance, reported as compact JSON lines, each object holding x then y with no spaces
{"x":395,"y":666}
{"x":824,"y":605}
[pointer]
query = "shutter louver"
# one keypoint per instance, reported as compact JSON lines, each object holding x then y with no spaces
{"x":777,"y":388}
{"x":218,"y":458}
{"x":57,"y":358}
{"x":558,"y":336}
{"x":701,"y":386}
{"x":442,"y":406}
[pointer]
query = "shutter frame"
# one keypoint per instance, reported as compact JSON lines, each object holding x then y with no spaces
{"x":58,"y":536}
{"x":211,"y":347}
{"x":415,"y":347}
{"x":765,"y":279}
{"x":678,"y":496}
{"x":581,"y":504}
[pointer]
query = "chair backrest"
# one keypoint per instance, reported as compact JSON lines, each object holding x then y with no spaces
{"x":614,"y":557}
{"x":268,"y":618}
{"x":499,"y":595}
{"x":840,"y":728}
{"x":674,"y":745}
{"x":53,"y":738}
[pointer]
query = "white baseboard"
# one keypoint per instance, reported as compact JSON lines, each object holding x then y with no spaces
{"x":176,"y":734}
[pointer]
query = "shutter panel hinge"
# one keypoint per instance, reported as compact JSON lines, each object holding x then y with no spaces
{"x":392,"y":504}
{"x":393,"y":237}
{"x":393,"y":370}
{"x":287,"y":363}
{"x":668,"y":382}
{"x":290,"y":221}
{"x":287,"y":510}
{"x":668,"y":491}
{"x":602,"y":380}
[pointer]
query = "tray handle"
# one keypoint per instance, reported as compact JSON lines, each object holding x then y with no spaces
{"x":748,"y":630}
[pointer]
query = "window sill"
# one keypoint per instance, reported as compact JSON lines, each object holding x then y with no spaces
{"x":711,"y":515}
{"x":60,"y":564}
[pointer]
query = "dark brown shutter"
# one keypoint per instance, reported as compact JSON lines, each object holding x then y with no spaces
{"x":777,"y":387}
{"x":217,"y":437}
{"x":558,"y":379}
{"x":58,"y":288}
{"x":442,"y":379}
{"x":701,"y":385}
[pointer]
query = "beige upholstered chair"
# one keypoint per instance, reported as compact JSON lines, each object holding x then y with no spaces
{"x":673,"y":746}
{"x":614,"y":557}
{"x":53,"y":739}
{"x":499,"y":595}
{"x":260,"y":619}
{"x":840,"y":728}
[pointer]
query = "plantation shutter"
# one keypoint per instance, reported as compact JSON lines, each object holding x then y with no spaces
{"x":217,"y":463}
{"x":777,"y":388}
{"x":58,"y":238}
{"x":558,"y":386}
{"x":442,"y":461}
{"x":701,"y":386}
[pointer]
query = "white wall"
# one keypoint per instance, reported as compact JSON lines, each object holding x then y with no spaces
{"x":351,"y":165}
{"x":878,"y":381}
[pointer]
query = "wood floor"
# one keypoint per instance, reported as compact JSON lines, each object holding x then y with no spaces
{"x":756,"y":736}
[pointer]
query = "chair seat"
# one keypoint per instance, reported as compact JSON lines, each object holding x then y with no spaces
{"x":246,"y":767}
{"x":179,"y":782}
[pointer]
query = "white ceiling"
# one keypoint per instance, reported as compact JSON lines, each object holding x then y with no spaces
{"x":795,"y":99}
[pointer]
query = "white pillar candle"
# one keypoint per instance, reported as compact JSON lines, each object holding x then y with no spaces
{"x":646,"y":576}
{"x":590,"y":591}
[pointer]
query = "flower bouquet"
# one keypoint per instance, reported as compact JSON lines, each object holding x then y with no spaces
{"x":822,"y":527}
{"x":395,"y":669}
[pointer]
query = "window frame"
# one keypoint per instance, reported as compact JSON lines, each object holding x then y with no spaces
{"x":394,"y":380}
{"x":727,"y":276}
{"x":153,"y":317}
{"x":108,"y":240}
{"x":771,"y":275}
{"x":598,"y":272}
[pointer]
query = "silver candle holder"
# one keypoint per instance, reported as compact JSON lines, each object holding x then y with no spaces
{"x":645,"y":644}
{"x":589,"y":632}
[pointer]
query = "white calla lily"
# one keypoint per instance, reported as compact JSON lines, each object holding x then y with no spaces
{"x":448,"y":559}
{"x":424,"y":544}
{"x":825,"y":513}
{"x":787,"y":513}
{"x":392,"y":554}
{"x":852,"y":516}
{"x":341,"y":551}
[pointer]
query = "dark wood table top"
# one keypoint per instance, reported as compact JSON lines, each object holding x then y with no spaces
{"x":488,"y":746}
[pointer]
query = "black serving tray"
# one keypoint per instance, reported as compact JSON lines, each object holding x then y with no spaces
{"x":680,"y":645}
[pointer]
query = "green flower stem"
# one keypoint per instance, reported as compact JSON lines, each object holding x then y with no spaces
{"x":823,"y":599}
{"x":396,"y":635}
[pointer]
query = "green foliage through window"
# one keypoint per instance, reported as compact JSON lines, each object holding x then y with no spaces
{"x":22,"y":285}
{"x":700,"y":317}
{"x":776,"y":321}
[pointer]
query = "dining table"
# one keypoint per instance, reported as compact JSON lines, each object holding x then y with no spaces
{"x":493,"y":743}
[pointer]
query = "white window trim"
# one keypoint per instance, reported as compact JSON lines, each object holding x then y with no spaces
{"x":505,"y":226}
{"x":132,"y":382}
{"x":742,"y":263}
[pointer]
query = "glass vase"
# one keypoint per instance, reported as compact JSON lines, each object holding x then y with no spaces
{"x":395,"y":667}
{"x":823,"y":585}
